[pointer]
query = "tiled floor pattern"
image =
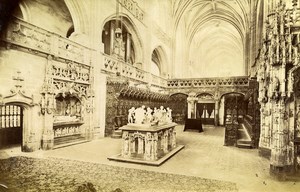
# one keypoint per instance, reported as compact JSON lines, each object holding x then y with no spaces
{"x":203,"y":156}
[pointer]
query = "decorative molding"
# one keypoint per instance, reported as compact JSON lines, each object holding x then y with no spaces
{"x":17,"y":93}
{"x":133,"y":8}
{"x":33,"y":39}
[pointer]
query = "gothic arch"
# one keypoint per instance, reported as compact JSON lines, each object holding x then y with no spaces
{"x":173,"y":94}
{"x":128,"y":23}
{"x":233,"y":92}
{"x":259,"y":22}
{"x":159,"y":57}
{"x":205,"y":94}
{"x":79,"y":16}
{"x":26,"y":15}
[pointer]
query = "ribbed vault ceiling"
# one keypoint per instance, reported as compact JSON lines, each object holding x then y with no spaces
{"x":214,"y":33}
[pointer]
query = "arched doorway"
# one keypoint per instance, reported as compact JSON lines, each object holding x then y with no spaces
{"x":234,"y":107}
{"x":11,"y":125}
{"x":205,"y":108}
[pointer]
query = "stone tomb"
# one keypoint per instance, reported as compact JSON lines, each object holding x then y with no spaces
{"x":146,"y":144}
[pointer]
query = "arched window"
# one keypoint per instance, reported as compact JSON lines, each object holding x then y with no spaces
{"x":118,"y":41}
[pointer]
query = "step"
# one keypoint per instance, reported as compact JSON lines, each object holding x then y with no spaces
{"x":68,"y":140}
{"x":117,"y":134}
{"x":243,"y":141}
{"x":69,"y":144}
{"x":246,"y":146}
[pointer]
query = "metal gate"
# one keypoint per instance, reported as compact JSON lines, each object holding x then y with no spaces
{"x":11,"y":121}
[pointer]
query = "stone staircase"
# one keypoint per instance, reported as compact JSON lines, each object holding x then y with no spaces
{"x":243,"y":138}
{"x":65,"y":141}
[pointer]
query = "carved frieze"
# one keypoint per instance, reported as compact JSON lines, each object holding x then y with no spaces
{"x":25,"y":36}
{"x":133,"y":8}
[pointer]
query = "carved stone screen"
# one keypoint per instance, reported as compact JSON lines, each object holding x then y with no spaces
{"x":178,"y":104}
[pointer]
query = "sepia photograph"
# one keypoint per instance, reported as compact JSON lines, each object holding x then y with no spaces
{"x":149,"y":95}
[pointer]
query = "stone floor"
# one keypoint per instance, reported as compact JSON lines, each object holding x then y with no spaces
{"x":204,"y":156}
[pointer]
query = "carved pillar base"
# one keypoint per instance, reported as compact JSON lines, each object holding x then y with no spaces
{"x":30,"y":146}
{"x":264,"y":152}
{"x":280,"y":173}
{"x":47,"y":142}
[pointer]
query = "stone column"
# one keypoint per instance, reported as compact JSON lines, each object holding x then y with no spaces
{"x":112,"y":37}
{"x":217,"y":113}
{"x":154,"y":146}
{"x":148,"y":146}
{"x":128,"y":46}
{"x":280,"y":164}
{"x":48,"y":133}
{"x":191,"y":107}
{"x":173,"y":138}
{"x":132,"y":144}
{"x":165,"y":145}
{"x":140,"y":145}
{"x":126,"y":150}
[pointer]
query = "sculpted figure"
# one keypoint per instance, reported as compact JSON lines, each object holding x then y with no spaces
{"x":131,"y":115}
{"x":169,"y":115}
{"x":149,"y":116}
{"x":140,"y":115}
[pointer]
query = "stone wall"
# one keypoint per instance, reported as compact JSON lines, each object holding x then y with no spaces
{"x":22,"y":76}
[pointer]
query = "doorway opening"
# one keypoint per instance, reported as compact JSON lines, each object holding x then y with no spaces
{"x":206,"y":112}
{"x":11,"y":126}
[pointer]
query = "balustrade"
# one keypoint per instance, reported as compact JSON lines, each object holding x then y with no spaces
{"x":209,"y":82}
{"x":24,"y":34}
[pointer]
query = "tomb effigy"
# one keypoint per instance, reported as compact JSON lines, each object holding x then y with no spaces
{"x":149,"y":137}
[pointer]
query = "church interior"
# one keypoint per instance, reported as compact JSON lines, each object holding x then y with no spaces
{"x":193,"y":95}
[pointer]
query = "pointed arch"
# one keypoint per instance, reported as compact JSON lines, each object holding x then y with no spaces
{"x":130,"y":26}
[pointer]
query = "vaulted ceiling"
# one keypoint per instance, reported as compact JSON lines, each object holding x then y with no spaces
{"x":213,"y":36}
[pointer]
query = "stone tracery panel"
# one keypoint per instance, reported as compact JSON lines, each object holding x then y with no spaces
{"x":178,"y":104}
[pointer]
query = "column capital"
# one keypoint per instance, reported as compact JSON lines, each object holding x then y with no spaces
{"x":192,"y":99}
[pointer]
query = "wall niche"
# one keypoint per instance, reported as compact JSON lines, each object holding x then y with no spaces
{"x":69,"y":108}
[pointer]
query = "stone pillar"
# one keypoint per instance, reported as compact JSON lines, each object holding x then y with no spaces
{"x":31,"y":133}
{"x":191,"y":107}
{"x":166,"y":135}
{"x":48,"y":133}
{"x":148,"y":146}
{"x":132,"y":144}
{"x":140,"y":145}
{"x":126,"y":150}
{"x":280,"y":164}
{"x":128,"y":46}
{"x":154,"y":147}
{"x":112,"y":37}
{"x":217,"y":113}
{"x":173,"y":138}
